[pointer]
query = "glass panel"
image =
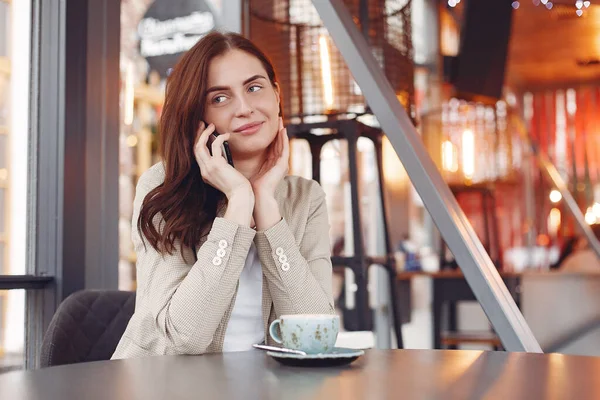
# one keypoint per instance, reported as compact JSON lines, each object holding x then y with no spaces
{"x":2,"y":215}
{"x":4,"y":28}
{"x":12,"y":330}
{"x":4,"y":63}
{"x":300,"y":158}
{"x":141,"y":101}
{"x":15,"y":37}
{"x":336,"y":184}
{"x":368,"y":191}
{"x":3,"y":154}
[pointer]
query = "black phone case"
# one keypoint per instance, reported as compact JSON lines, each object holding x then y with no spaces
{"x":225,"y":148}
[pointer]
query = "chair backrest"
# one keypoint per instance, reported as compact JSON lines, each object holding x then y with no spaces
{"x":87,"y":327}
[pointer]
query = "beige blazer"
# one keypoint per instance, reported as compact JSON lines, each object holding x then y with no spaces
{"x":184,"y":308}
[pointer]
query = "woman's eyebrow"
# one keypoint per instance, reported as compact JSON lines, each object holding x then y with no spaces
{"x":224,"y":88}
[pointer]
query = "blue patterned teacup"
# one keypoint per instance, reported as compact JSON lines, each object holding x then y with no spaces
{"x":311,"y":333}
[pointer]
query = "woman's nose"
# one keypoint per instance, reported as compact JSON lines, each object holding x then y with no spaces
{"x":244,"y":106}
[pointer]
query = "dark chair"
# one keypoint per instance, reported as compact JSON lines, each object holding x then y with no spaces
{"x":87,"y":327}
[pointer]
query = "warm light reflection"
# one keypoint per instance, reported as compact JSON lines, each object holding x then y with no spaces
{"x":554,"y":220}
{"x":132,"y":140}
{"x":571,"y":102}
{"x":449,"y":34}
{"x":468,"y":153}
{"x":469,"y":361}
{"x":393,"y":171}
{"x":403,"y":98}
{"x":326,"y":72}
{"x":596,"y":210}
{"x":555,"y":196}
{"x":560,"y":141}
{"x":449,"y":156}
{"x":590,"y":216}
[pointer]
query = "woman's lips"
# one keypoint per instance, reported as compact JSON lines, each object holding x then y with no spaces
{"x":249,"y":129}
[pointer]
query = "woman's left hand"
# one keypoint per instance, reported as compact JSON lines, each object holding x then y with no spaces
{"x":275,"y":166}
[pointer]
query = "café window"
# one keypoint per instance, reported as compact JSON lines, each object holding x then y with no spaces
{"x":15,"y":27}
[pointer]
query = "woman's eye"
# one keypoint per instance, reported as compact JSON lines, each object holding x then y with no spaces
{"x":254,"y":88}
{"x":218,"y":99}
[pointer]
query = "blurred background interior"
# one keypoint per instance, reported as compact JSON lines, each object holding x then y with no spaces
{"x":493,"y":88}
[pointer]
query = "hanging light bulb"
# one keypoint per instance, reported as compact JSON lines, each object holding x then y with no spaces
{"x":449,"y":156}
{"x":590,"y":217}
{"x":326,"y":72}
{"x":596,"y":209}
{"x":554,"y":221}
{"x":555,"y":196}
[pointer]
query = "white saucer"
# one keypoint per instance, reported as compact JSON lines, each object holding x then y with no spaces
{"x":338,"y":356}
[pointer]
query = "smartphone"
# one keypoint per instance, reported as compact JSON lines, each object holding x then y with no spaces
{"x":224,"y":148}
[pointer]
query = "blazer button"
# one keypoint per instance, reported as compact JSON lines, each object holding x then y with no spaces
{"x":221,"y":252}
{"x":279,"y":251}
{"x":217,"y":261}
{"x":223,"y":244}
{"x":283,"y":259}
{"x":285,"y":266}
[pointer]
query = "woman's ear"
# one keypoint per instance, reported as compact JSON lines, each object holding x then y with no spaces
{"x":277,"y":92}
{"x":277,"y":89}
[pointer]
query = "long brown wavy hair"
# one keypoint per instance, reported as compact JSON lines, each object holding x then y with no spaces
{"x":187,"y":205}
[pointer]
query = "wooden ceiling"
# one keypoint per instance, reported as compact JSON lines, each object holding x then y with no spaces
{"x":546,"y":45}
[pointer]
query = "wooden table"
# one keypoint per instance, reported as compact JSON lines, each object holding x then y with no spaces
{"x":380,"y":374}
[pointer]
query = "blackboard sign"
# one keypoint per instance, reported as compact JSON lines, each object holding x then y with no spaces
{"x":171,"y":27}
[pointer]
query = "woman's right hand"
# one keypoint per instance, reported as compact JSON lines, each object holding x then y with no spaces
{"x":215,"y":169}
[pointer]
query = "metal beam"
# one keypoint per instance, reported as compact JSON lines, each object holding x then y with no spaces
{"x":101,"y":146}
{"x":479,"y":271}
{"x":46,"y":169}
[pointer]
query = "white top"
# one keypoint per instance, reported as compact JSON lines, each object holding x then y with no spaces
{"x":245,"y":326}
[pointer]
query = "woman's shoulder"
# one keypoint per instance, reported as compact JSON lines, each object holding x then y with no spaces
{"x":581,"y":261}
{"x":149,"y":180}
{"x":152,"y":177}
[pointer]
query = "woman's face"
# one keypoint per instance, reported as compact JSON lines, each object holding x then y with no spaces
{"x":242,"y":101}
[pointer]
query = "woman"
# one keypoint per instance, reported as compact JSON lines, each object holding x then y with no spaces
{"x":578,"y":256}
{"x":223,"y":251}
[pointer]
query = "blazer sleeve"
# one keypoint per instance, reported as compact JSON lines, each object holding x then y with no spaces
{"x":188,"y":302}
{"x":299,"y":276}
